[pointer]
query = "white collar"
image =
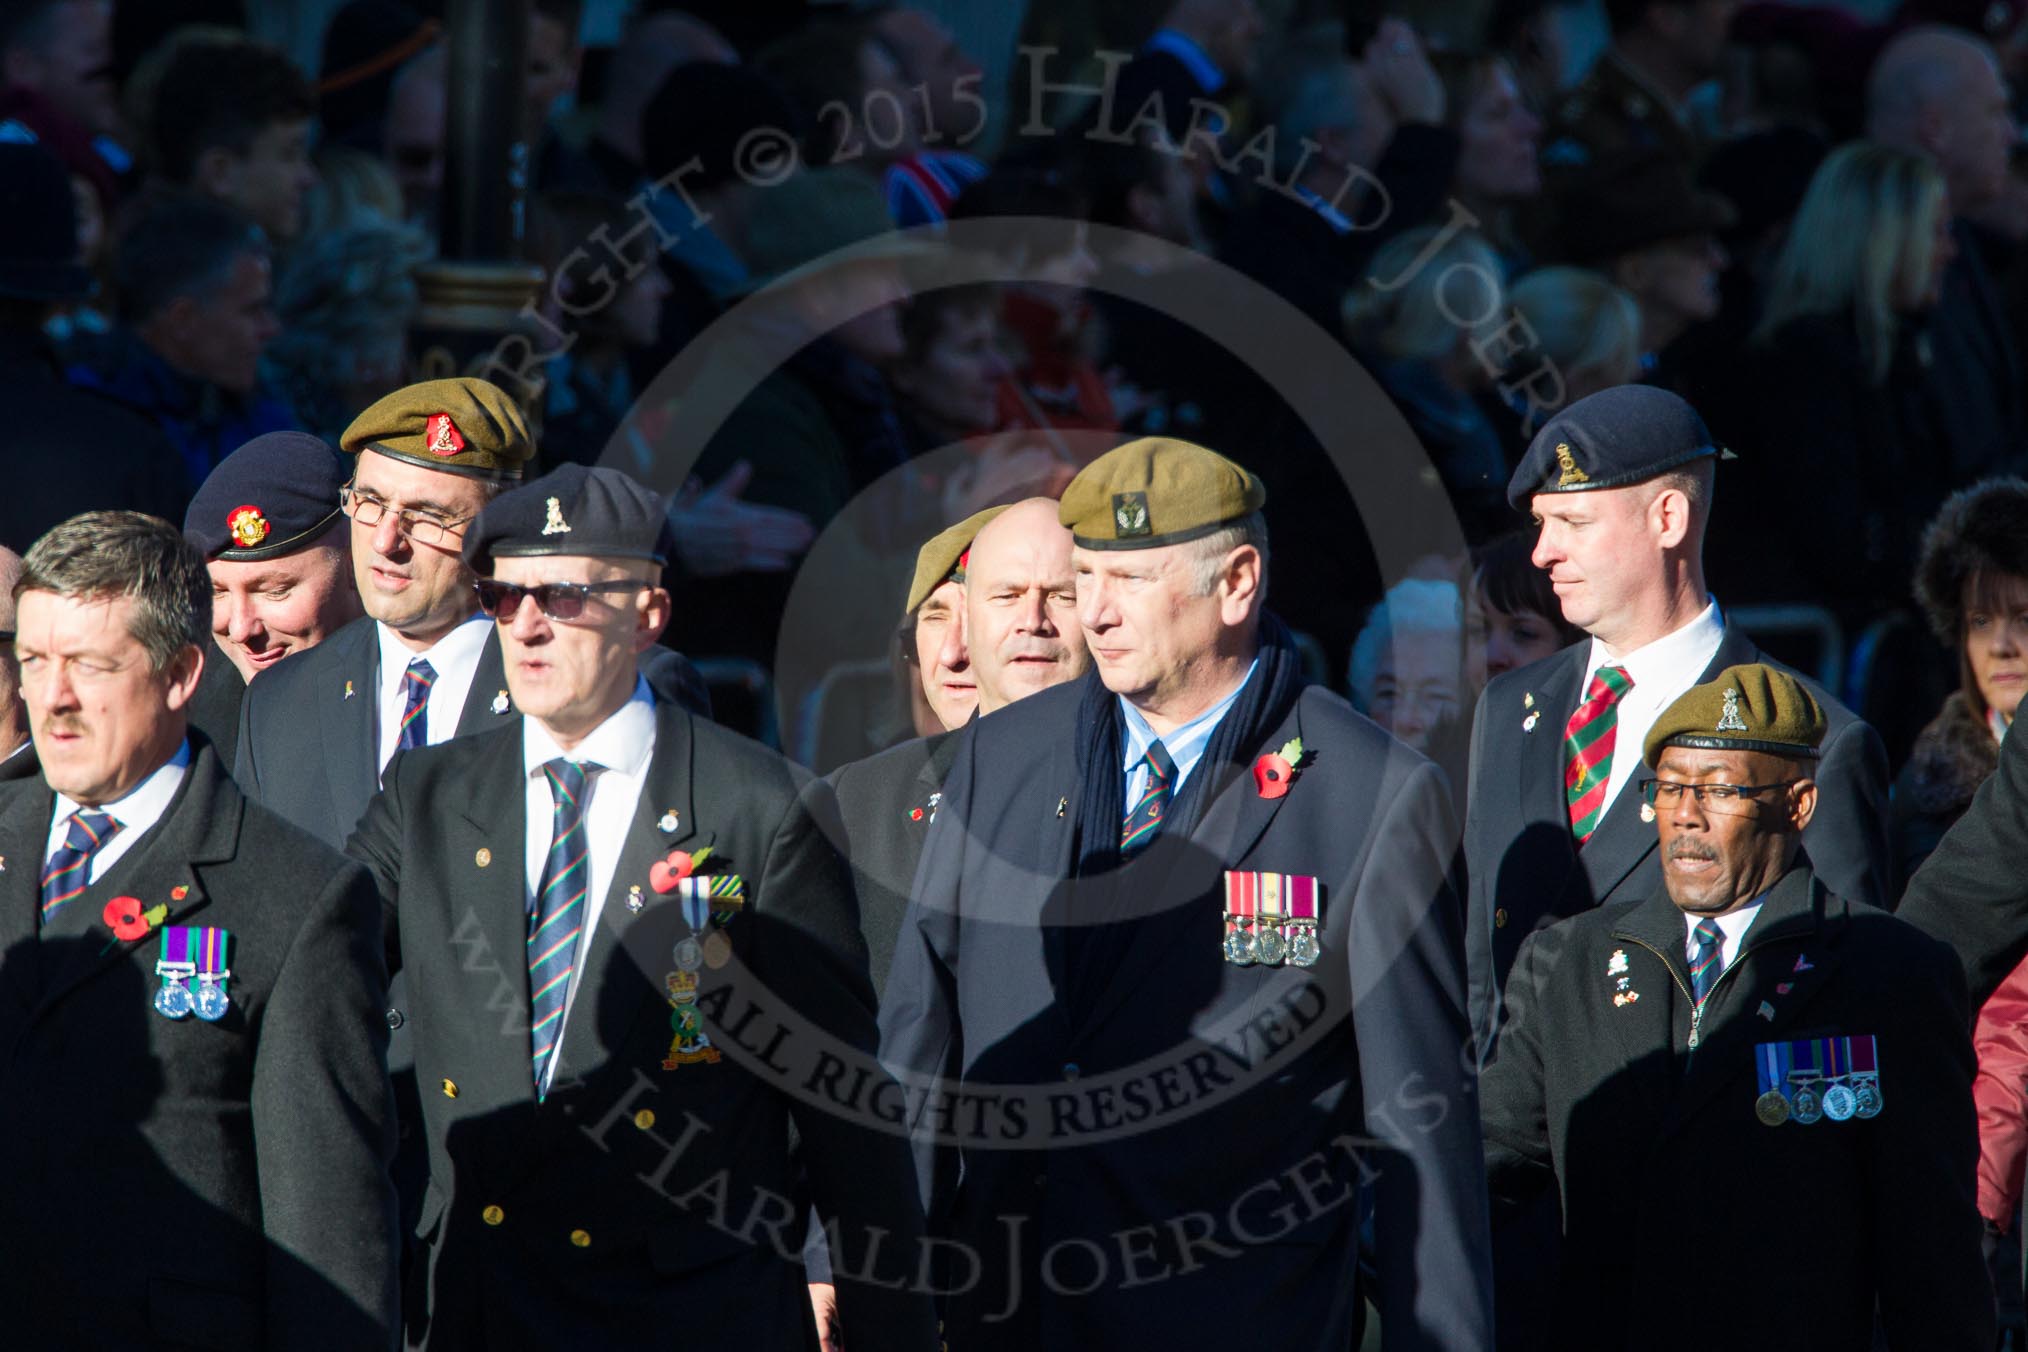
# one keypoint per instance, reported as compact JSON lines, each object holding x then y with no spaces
{"x":623,"y":743}
{"x":143,"y":805}
{"x":1654,"y":663}
{"x":461,"y":646}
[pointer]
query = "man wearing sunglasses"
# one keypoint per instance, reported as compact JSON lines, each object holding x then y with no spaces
{"x":601,"y":903}
{"x":1743,"y":1062}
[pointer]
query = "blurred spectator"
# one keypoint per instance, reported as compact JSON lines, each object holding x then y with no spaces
{"x":62,"y":50}
{"x":195,"y":312}
{"x":414,"y":137}
{"x":73,"y":450}
{"x":366,"y":45}
{"x":1938,"y":93}
{"x":231,"y":120}
{"x":353,"y":188}
{"x":1636,"y":99}
{"x":554,"y":59}
{"x":1535,"y":37}
{"x":848,"y":86}
{"x":935,"y":71}
{"x":651,"y":47}
{"x":1498,"y":143}
{"x":1842,"y":368}
{"x":1404,"y":672}
{"x":1524,"y":622}
{"x":26,"y":116}
{"x":951,"y":367}
{"x":1973,"y":585}
{"x":1587,"y":338}
{"x":1643,"y":223}
{"x":610,"y":302}
{"x":345,"y":299}
{"x":1201,"y":49}
{"x":1433,"y":295}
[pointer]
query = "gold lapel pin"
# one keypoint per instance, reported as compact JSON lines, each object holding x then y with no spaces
{"x":483,"y":857}
{"x":1061,"y":804}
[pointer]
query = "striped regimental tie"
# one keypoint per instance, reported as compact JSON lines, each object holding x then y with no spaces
{"x":1145,"y":820}
{"x":1706,"y":962}
{"x":68,"y":871}
{"x":1588,"y":749}
{"x":415,"y":717}
{"x":558,"y":917}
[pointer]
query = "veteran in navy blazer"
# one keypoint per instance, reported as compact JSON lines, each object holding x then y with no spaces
{"x":1139,"y":1140}
{"x":1751,"y":1097}
{"x":204,"y":1172}
{"x":1621,"y":484}
{"x":631,"y":946}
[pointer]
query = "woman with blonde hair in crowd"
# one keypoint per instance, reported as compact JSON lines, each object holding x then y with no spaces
{"x":1587,"y":338}
{"x":1844,"y":409}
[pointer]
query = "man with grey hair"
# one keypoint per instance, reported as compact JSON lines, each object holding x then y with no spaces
{"x":17,"y":751}
{"x":1189,"y":849}
{"x":1938,"y":93}
{"x":188,"y":1059}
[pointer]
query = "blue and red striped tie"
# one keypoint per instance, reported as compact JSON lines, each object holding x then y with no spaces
{"x":558,"y":917}
{"x":1145,"y":820}
{"x":68,"y":871}
{"x":415,"y":717}
{"x":1588,"y":749}
{"x":1705,"y":965}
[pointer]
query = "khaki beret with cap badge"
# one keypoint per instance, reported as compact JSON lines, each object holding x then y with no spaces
{"x":1154,"y":492}
{"x":1753,"y":707}
{"x":942,"y":557}
{"x":462,"y":425}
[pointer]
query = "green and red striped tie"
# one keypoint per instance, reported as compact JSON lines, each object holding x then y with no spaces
{"x":1588,"y":749}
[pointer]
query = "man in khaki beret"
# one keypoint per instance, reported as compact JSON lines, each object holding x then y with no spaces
{"x":944,"y":692}
{"x":1744,"y":1057}
{"x":1190,"y":848}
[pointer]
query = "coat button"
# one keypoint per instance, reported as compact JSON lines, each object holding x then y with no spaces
{"x":450,"y":1088}
{"x":645,"y":1118}
{"x":1500,"y":918}
{"x":580,"y":1238}
{"x":1071,"y":1071}
{"x":395,"y":1019}
{"x":492,"y":1215}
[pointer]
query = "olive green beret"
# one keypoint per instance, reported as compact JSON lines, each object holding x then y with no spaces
{"x":1748,"y":708}
{"x":1156,"y":491}
{"x":461,"y":426}
{"x":943,"y":558}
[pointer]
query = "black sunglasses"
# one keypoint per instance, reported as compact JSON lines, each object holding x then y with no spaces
{"x":557,"y":600}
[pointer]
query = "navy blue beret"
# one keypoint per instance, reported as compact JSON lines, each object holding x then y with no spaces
{"x":572,"y":510}
{"x":273,"y":496}
{"x":1625,"y":435}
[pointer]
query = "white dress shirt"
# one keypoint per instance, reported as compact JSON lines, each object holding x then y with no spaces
{"x":1185,"y":744}
{"x":1733,"y":926}
{"x":455,"y":660}
{"x":624,"y":745}
{"x":1661,"y":672}
{"x":140,"y":809}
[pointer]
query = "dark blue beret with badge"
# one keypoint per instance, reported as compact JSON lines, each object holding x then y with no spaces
{"x":572,"y":510}
{"x":1625,"y":435}
{"x":273,"y":496}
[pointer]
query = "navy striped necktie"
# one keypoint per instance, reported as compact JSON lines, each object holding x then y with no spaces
{"x":1706,"y":963}
{"x":558,"y":917}
{"x":68,"y":872}
{"x":415,"y":718}
{"x":1145,"y":820}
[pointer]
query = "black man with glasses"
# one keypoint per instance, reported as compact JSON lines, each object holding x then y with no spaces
{"x":626,"y":931}
{"x":1751,"y":1096}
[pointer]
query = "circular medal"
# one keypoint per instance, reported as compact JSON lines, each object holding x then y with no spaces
{"x":1269,"y":948}
{"x":1303,"y":947}
{"x":173,"y":1000}
{"x":1868,"y":1096}
{"x":717,"y":949}
{"x":1772,"y":1108}
{"x":1239,"y":947}
{"x":689,"y":954}
{"x":1840,"y":1103}
{"x":210,"y":1002}
{"x":1806,"y":1107}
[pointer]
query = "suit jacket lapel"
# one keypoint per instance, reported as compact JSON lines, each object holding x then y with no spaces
{"x":345,"y":718}
{"x":496,"y":903}
{"x":483,"y":708}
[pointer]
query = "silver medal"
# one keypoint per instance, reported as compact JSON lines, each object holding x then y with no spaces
{"x":210,"y":1002}
{"x":1867,"y":1098}
{"x":173,"y":1000}
{"x":1239,"y":947}
{"x":1805,"y":1106}
{"x":1269,"y":948}
{"x":1840,"y":1103}
{"x":689,"y":954}
{"x":1303,"y":950}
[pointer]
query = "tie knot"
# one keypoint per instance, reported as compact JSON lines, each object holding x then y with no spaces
{"x":89,"y":828}
{"x":1708,"y":933}
{"x":1159,"y":763}
{"x":567,"y":779}
{"x":1609,"y":683}
{"x":420,"y":672}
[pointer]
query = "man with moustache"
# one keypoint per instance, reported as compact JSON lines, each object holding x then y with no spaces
{"x":194,"y":1093}
{"x":1744,"y":1060}
{"x":269,"y":523}
{"x":1186,"y":849}
{"x":540,"y":881}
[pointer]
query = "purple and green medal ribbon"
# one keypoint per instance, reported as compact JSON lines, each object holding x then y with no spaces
{"x":203,"y":950}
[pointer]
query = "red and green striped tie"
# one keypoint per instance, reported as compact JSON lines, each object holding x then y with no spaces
{"x":1588,"y":749}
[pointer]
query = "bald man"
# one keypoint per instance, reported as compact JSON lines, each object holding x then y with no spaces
{"x":1021,"y":627}
{"x":17,"y":753}
{"x":1938,"y":92}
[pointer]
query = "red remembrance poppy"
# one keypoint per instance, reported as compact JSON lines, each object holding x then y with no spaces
{"x":1271,"y":775}
{"x":667,"y":873}
{"x":125,"y":917}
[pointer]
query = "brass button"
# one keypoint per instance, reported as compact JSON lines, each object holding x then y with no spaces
{"x":483,"y":857}
{"x":450,"y":1088}
{"x":645,"y":1118}
{"x":492,"y":1215}
{"x":1500,"y":918}
{"x":580,"y":1238}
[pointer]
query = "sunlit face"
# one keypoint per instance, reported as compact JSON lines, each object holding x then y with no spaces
{"x":1415,"y":688}
{"x":269,"y":181}
{"x":264,"y":610}
{"x":1517,"y":639}
{"x":1714,"y":862}
{"x":1021,"y":607}
{"x":1592,"y":545}
{"x":572,"y":675}
{"x":1151,"y":633}
{"x":102,"y":719}
{"x":942,"y":657}
{"x":1498,"y":138}
{"x":419,"y":590}
{"x":956,"y":382}
{"x":1996,"y":639}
